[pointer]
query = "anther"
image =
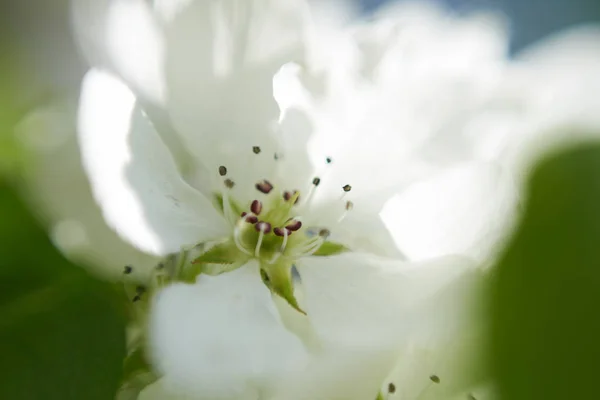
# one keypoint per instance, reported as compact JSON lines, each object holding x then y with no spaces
{"x":222,"y":170}
{"x":324,"y":232}
{"x":328,"y":160}
{"x":128,"y":269}
{"x":251,"y":219}
{"x":264,"y":187}
{"x":391,"y":388}
{"x":294,"y":225}
{"x":287,"y":196}
{"x":140,"y":290}
{"x":316,"y":181}
{"x":136,"y":299}
{"x":349,"y":205}
{"x":435,"y":378}
{"x":256,"y":149}
{"x":263,"y":227}
{"x":347,"y":188}
{"x":281,"y":231}
{"x":229,"y":183}
{"x":256,"y":207}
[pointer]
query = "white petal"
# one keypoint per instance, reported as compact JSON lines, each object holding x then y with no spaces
{"x":464,"y":210}
{"x":222,"y":337}
{"x":356,"y":299}
{"x":349,"y":373}
{"x":450,"y":347}
{"x":221,"y":58}
{"x":59,"y":190}
{"x":123,"y":36}
{"x":133,"y":177}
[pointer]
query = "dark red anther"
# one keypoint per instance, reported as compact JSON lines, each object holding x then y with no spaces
{"x":294,"y":225}
{"x":244,"y":214}
{"x":256,"y":207}
{"x":264,"y":187}
{"x":263,"y":227}
{"x":281,"y":232}
{"x":251,"y":219}
{"x":287,"y":196}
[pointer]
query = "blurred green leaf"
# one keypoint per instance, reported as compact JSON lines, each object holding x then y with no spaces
{"x":62,"y":332}
{"x":546,"y":298}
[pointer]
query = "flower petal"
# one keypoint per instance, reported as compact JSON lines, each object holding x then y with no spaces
{"x":122,"y":36}
{"x":221,"y":58}
{"x":356,"y":299}
{"x":338,"y":374}
{"x":59,"y":190}
{"x":133,"y":177}
{"x":464,"y":210}
{"x":222,"y":337}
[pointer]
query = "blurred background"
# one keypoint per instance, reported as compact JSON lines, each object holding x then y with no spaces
{"x":45,"y":205}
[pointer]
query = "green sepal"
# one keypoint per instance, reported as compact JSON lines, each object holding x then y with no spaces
{"x":330,"y":249}
{"x":137,"y":375}
{"x":222,"y":253}
{"x":221,"y":258}
{"x":278,"y":278}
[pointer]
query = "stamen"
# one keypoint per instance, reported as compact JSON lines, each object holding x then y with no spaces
{"x":237,"y":231}
{"x":222,"y":170}
{"x":280,"y":231}
{"x":263,"y":228}
{"x":256,"y":207}
{"x":256,"y":149}
{"x":264,"y":187}
{"x":229,"y":184}
{"x":287,"y":196}
{"x":347,"y":188}
{"x":227,"y":208}
{"x":283,"y":245}
{"x":435,"y":378}
{"x":328,"y":160}
{"x":310,"y":248}
{"x":294,"y":225}
{"x":349,"y":207}
{"x":128,"y":269}
{"x":316,"y":182}
{"x":324,"y":233}
{"x":391,"y":388}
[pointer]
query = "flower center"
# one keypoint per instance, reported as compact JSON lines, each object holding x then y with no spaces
{"x":271,"y":231}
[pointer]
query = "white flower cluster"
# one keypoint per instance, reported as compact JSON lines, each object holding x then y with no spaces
{"x":347,"y":183}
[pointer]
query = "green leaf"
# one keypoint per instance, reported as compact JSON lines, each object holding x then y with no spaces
{"x":546,"y":295}
{"x":330,"y":249}
{"x":62,"y":331}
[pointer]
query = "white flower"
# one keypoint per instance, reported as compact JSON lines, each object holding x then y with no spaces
{"x":300,"y":290}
